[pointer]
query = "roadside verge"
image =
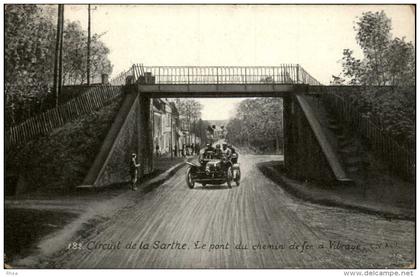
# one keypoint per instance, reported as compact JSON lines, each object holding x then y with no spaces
{"x":338,"y":196}
{"x":94,"y":211}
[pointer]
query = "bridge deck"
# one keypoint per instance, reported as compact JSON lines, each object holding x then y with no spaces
{"x":219,"y":90}
{"x":282,"y":74}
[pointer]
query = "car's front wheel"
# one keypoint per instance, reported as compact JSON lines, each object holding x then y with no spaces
{"x":229,"y":177}
{"x":190,"y":181}
{"x":237,"y":177}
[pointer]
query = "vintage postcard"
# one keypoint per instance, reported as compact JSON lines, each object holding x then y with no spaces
{"x":210,"y":136}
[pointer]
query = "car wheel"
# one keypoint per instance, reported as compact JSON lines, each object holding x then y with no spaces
{"x":190,"y":181}
{"x":238,"y":177}
{"x":229,"y":177}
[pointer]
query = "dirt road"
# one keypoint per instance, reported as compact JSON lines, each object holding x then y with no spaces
{"x":255,"y":225}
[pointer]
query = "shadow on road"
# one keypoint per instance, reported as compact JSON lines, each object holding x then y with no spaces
{"x":212,"y":187}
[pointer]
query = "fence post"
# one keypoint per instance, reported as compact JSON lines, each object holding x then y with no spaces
{"x":159,"y":77}
{"x":297,"y":73}
{"x":274,"y":74}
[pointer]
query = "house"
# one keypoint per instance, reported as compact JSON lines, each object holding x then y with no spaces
{"x":165,"y":123}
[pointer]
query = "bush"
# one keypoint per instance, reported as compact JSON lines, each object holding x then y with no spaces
{"x":394,"y":109}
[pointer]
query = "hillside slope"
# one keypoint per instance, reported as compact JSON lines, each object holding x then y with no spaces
{"x":59,"y":161}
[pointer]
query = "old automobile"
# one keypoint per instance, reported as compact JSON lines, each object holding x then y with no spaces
{"x":213,"y":170}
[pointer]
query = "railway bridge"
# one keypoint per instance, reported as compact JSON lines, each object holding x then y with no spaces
{"x":308,"y":154}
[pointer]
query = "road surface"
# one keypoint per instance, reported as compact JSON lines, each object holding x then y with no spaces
{"x":255,"y":225}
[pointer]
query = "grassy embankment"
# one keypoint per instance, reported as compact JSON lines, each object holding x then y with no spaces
{"x":59,"y":161}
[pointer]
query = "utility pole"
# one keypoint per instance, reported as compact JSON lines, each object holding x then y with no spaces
{"x":88,"y":49}
{"x":57,"y":46}
{"x":58,"y":63}
{"x":200,"y":123}
{"x":172,"y":135}
{"x":195,"y":131}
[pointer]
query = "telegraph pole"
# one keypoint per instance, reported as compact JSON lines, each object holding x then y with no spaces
{"x":195,"y":131}
{"x":58,"y":63}
{"x":88,"y":49}
{"x":172,"y":135}
{"x":200,"y":126}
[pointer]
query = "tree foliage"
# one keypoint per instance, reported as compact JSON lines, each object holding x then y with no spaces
{"x":386,"y":60}
{"x":190,"y":115}
{"x":258,"y":124}
{"x":189,"y":109}
{"x":28,"y":59}
{"x":75,"y":55}
{"x":393,"y":109}
{"x":30,"y":35}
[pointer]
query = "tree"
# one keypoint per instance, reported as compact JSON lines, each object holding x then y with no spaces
{"x":75,"y":57}
{"x":401,"y":68}
{"x":373,"y":36}
{"x":386,"y":60}
{"x":190,"y":110}
{"x":29,"y":60}
{"x":30,"y":36}
{"x":258,"y":123}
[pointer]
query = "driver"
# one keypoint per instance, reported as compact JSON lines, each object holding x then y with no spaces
{"x":227,"y":152}
{"x":233,"y":151}
{"x":209,"y":147}
{"x":231,"y":148}
{"x":219,"y":152}
{"x":208,"y":151}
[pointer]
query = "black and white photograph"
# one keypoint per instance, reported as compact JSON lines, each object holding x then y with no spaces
{"x":209,"y":136}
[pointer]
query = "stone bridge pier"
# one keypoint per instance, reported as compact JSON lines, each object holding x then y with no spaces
{"x":145,"y":139}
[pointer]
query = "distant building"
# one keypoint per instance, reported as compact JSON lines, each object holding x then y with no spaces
{"x":166,"y":128}
{"x":171,"y":131}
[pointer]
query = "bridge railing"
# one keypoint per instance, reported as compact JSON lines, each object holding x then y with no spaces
{"x":306,"y":78}
{"x":283,"y":74}
{"x":121,"y":78}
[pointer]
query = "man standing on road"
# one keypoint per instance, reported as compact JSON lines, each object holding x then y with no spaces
{"x":134,"y":171}
{"x":157,"y":150}
{"x":183,"y":150}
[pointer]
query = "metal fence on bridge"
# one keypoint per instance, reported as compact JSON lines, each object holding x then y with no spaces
{"x":283,"y":74}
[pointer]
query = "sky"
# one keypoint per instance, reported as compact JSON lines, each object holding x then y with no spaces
{"x":313,"y":36}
